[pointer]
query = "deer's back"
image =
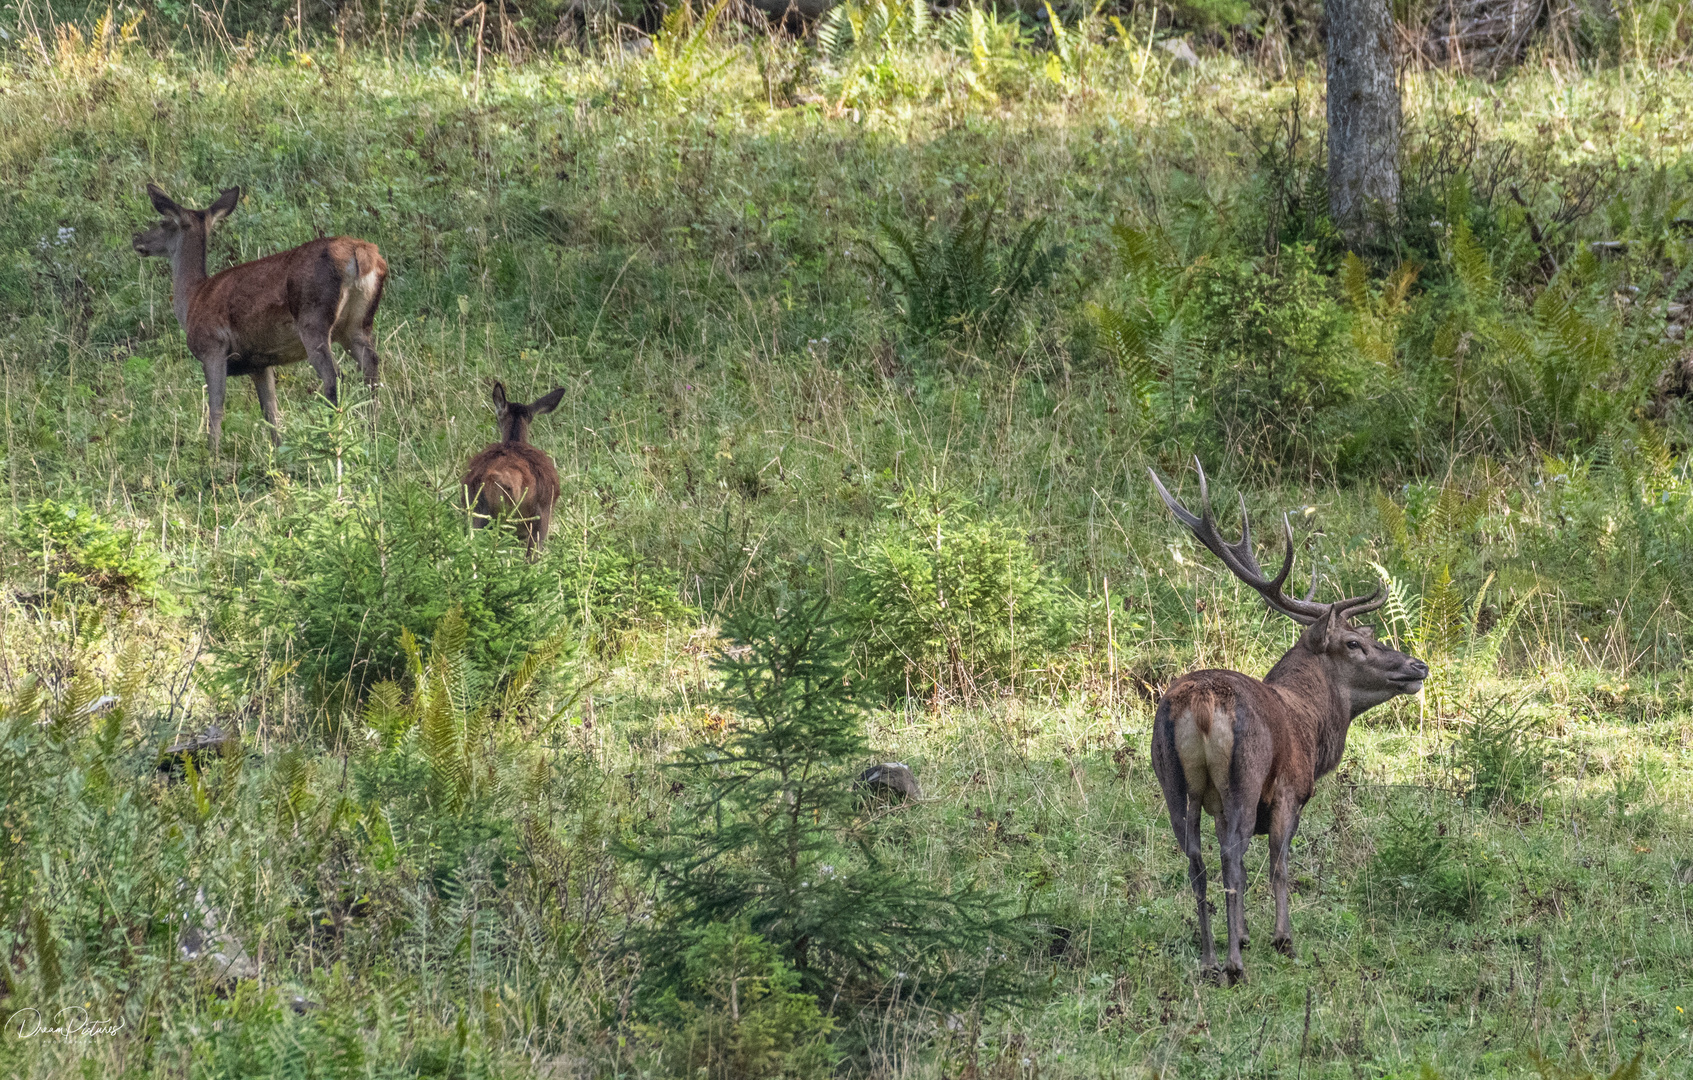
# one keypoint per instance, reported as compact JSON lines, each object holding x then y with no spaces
{"x":511,"y":476}
{"x":1222,"y":733}
{"x":257,"y":304}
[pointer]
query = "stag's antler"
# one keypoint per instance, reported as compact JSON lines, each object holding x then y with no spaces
{"x":1243,"y":564}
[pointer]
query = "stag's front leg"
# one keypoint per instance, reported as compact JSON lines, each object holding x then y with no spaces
{"x":1234,"y":833}
{"x":1284,"y":822}
{"x":1187,"y":831}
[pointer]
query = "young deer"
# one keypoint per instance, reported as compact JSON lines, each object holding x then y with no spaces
{"x":512,"y":475}
{"x":1250,"y":751}
{"x":253,"y":318}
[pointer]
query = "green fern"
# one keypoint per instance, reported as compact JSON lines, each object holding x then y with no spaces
{"x":1441,"y":619}
{"x":1470,"y":262}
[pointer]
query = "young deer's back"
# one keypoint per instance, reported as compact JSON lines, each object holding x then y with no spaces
{"x":511,"y":476}
{"x":516,"y":479}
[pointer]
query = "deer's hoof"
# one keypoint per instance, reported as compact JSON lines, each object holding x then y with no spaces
{"x":1234,"y":975}
{"x":1212,"y":974}
{"x":1283,"y":945}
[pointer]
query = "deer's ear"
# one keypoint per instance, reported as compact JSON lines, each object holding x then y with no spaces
{"x":163,"y":203}
{"x":1316,"y":636}
{"x":548,"y":403}
{"x":223,"y":207}
{"x":500,"y":398}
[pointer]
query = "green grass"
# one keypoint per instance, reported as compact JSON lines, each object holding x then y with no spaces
{"x":689,"y":256}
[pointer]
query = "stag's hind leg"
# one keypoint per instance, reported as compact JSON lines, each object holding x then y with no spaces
{"x":1284,"y":822}
{"x":1188,"y":832}
{"x":1234,"y":833}
{"x":1186,"y":809}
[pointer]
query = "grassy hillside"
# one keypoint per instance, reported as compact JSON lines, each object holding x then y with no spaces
{"x":462,"y":779}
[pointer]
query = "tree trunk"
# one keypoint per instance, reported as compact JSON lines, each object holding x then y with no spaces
{"x":1363,"y":107}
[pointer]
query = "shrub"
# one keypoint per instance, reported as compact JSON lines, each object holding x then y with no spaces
{"x":771,"y":836}
{"x":939,"y":601}
{"x":345,"y":578}
{"x":961,"y":280}
{"x":73,"y":549}
{"x":1501,"y":757}
{"x":738,"y":1014}
{"x":1278,"y":368}
{"x":1428,"y":866}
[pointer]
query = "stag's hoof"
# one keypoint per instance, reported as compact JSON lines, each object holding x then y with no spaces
{"x":1211,"y":973}
{"x":1283,"y":945}
{"x":1234,"y":975}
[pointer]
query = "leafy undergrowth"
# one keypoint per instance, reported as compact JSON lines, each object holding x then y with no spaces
{"x":479,"y":806}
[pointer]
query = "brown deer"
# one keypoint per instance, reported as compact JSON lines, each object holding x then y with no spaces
{"x":511,"y":475}
{"x":1250,"y":751}
{"x":253,"y":318}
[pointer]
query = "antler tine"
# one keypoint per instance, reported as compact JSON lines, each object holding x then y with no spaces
{"x":1238,"y":557}
{"x":1360,"y":605}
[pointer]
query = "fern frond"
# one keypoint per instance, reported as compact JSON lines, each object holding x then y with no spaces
{"x":1396,"y":611}
{"x":1471,"y":263}
{"x":1440,"y":621}
{"x":1393,"y":522}
{"x":1355,"y":283}
{"x":443,"y":744}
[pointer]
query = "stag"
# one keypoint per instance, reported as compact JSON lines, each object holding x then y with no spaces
{"x":253,"y":318}
{"x":513,"y":476}
{"x":1250,"y":751}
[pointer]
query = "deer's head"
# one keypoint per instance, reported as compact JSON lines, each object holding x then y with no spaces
{"x":1367,"y":670}
{"x":178,"y":224}
{"x":514,"y":417}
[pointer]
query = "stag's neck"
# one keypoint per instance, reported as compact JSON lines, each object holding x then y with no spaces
{"x":187,"y":271}
{"x":1320,"y":701}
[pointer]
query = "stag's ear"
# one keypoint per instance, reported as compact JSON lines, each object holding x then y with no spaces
{"x":500,"y":404}
{"x":1316,"y":636}
{"x":548,"y":403}
{"x":223,"y":207}
{"x":163,"y":203}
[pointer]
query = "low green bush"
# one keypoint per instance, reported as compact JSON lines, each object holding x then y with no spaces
{"x":1428,"y":865}
{"x":738,"y":1015}
{"x":331,"y":595}
{"x":940,"y":600}
{"x":769,"y":834}
{"x":70,"y":550}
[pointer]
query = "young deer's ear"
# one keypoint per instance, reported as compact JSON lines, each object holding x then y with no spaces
{"x":163,"y":203}
{"x":223,"y":207}
{"x":548,"y":403}
{"x":500,"y":404}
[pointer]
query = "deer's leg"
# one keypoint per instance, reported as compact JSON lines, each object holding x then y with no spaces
{"x":1284,"y":822}
{"x":216,"y":366}
{"x":1190,"y":838}
{"x":1234,"y":833}
{"x":314,"y":335}
{"x":264,"y":384}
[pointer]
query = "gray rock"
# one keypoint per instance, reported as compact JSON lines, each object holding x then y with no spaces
{"x":212,"y":740}
{"x":892,"y":778}
{"x":209,"y":946}
{"x":1181,"y":50}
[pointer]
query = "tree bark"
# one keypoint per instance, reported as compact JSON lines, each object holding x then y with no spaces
{"x":1363,"y":114}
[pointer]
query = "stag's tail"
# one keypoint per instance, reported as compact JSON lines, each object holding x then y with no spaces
{"x":1193,"y":737}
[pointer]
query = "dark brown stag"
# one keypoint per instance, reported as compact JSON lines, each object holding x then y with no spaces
{"x":253,"y":318}
{"x":511,"y":476}
{"x":1250,"y":751}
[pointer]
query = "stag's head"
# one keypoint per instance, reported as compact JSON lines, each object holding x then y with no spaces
{"x":1368,"y":670}
{"x":514,"y":417}
{"x":178,"y":224}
